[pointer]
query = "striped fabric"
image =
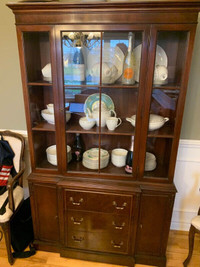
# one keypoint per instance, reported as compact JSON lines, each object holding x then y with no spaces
{"x":4,"y":174}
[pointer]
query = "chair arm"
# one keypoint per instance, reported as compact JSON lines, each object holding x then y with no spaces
{"x":10,"y":185}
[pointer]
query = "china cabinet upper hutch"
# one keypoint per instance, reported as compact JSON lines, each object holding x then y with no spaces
{"x":72,"y":56}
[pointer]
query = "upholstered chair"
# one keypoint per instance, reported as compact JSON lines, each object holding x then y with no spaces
{"x":194,"y":228}
{"x":15,"y":193}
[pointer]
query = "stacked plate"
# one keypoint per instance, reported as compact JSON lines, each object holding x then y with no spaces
{"x":91,"y":158}
{"x":150,"y":162}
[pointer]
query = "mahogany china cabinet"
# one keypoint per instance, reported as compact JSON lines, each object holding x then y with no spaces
{"x":72,"y":62}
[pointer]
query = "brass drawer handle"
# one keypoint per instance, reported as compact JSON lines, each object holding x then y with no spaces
{"x":118,"y":227}
{"x":119,"y":208}
{"x":76,"y":203}
{"x":117,"y":245}
{"x":77,"y":240}
{"x":75,"y":221}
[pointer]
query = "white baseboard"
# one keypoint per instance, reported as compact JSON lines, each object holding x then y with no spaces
{"x":187,"y":181}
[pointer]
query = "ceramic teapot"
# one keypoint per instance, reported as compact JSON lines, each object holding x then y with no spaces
{"x":105,"y":113}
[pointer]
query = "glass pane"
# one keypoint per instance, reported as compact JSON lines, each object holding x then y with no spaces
{"x":80,"y":157}
{"x":37,"y":56}
{"x":79,"y":51}
{"x":121,"y":57}
{"x":170,"y":57}
{"x":45,"y":151}
{"x":161,"y":132}
{"x":41,"y":107}
{"x":157,"y":159}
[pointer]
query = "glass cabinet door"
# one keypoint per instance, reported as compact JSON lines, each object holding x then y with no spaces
{"x":39,"y":86}
{"x":167,"y":88}
{"x":101,"y":88}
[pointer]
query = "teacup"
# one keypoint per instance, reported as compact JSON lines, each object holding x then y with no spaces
{"x":160,"y":74}
{"x":118,"y":157}
{"x":86,"y":124}
{"x":112,"y":123}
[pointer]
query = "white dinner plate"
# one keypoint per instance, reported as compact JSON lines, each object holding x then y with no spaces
{"x":161,"y":59}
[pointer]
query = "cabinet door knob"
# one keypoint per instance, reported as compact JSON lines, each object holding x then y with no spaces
{"x":77,"y":240}
{"x":76,"y":203}
{"x":75,"y":221}
{"x":117,"y":245}
{"x":119,"y":207}
{"x":118,"y":227}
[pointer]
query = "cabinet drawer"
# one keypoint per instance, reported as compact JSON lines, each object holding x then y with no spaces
{"x":101,"y":202}
{"x":104,"y":242}
{"x":97,"y":222}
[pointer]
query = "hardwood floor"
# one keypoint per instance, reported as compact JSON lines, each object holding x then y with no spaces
{"x":176,"y":253}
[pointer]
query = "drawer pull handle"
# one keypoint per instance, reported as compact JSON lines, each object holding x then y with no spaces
{"x":118,"y":227}
{"x":117,"y":245}
{"x":77,"y":240}
{"x":119,"y":208}
{"x":76,"y":221}
{"x":76,"y":203}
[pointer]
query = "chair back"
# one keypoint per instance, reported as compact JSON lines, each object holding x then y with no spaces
{"x":17,"y":143}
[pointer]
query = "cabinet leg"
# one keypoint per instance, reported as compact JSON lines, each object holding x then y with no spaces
{"x":191,"y":245}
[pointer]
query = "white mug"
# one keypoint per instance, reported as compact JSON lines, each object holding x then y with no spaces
{"x":112,"y":123}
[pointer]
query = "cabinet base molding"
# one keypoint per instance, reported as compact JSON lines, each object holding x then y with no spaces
{"x":44,"y":246}
{"x":151,"y":260}
{"x":98,"y":257}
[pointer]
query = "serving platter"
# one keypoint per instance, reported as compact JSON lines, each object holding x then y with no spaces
{"x":113,"y":55}
{"x":92,"y":102}
{"x":161,"y":59}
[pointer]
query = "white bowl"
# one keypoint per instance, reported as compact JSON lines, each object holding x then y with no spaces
{"x":50,"y":108}
{"x":150,"y":162}
{"x":86,"y":124}
{"x":118,"y":157}
{"x":46,"y":72}
{"x":49,"y":117}
{"x":51,"y":152}
{"x":68,"y":115}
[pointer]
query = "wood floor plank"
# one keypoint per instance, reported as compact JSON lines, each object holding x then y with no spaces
{"x":177,"y":250}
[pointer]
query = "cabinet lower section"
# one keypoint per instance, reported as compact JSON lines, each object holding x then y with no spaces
{"x":123,"y":223}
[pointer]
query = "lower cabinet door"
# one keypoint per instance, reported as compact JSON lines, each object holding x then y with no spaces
{"x":154,"y":223}
{"x":44,"y":211}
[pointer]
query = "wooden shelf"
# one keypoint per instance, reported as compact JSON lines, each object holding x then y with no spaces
{"x":124,"y":129}
{"x":44,"y":164}
{"x":44,"y":126}
{"x":39,"y":83}
{"x":120,"y":86}
{"x":109,"y":170}
{"x":161,"y":171}
{"x":167,"y":131}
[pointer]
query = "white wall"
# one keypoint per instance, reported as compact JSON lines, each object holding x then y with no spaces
{"x":187,"y":181}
